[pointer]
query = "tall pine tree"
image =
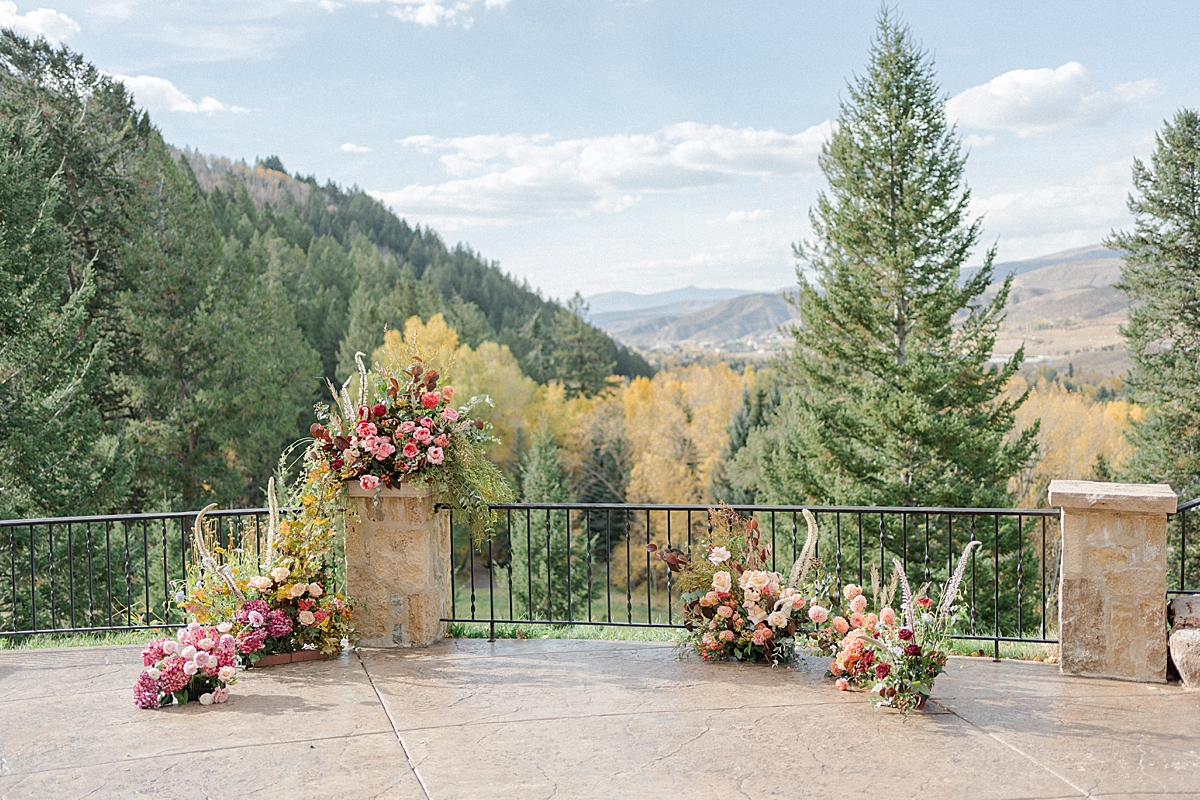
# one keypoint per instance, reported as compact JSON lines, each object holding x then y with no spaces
{"x":894,"y":401}
{"x":1162,"y":278}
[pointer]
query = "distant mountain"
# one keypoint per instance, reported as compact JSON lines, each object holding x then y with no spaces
{"x":1092,"y":252}
{"x":748,"y":316}
{"x":606,"y":302}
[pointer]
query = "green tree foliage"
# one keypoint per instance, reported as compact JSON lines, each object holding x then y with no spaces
{"x":550,"y":562}
{"x":893,"y":400}
{"x":1161,"y":275}
{"x":195,"y":380}
{"x":53,"y":448}
{"x":579,"y":358}
{"x":752,"y":415}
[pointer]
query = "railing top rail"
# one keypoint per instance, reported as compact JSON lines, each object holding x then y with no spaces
{"x":1007,"y":512}
{"x":1189,"y":505}
{"x":228,"y":512}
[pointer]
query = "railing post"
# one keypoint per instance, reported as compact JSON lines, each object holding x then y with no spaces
{"x":1112,"y":590}
{"x":397,"y":566}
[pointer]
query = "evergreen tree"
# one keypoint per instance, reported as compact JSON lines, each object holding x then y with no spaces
{"x":893,"y":399}
{"x":550,"y":564}
{"x":1161,"y":275}
{"x":728,"y":485}
{"x":54,"y":452}
{"x":580,"y":354}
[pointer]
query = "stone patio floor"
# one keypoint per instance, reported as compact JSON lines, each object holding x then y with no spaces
{"x":588,"y":719}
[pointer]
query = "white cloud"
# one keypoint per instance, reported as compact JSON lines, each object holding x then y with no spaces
{"x":737,"y":217}
{"x":1051,"y":217}
{"x":499,"y":179}
{"x":47,"y":22}
{"x":350,"y":147}
{"x":974,"y":140}
{"x":1029,"y":102}
{"x":431,"y":13}
{"x":159,"y":94}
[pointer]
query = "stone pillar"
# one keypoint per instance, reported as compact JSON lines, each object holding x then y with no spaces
{"x":1112,"y":592}
{"x":397,"y":566}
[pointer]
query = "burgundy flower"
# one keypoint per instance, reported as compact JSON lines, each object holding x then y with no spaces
{"x":912,"y":650}
{"x":379,"y":409}
{"x":882,"y":670}
{"x":905,"y":633}
{"x":251,"y":640}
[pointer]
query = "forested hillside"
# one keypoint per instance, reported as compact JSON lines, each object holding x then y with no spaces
{"x":168,"y":319}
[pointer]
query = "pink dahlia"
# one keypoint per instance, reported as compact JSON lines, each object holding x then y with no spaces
{"x":279,"y":624}
{"x":145,"y":691}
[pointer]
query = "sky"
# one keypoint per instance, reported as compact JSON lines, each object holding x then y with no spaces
{"x":598,"y":145}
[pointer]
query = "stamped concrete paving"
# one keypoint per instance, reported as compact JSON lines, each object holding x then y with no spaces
{"x":551,"y":718}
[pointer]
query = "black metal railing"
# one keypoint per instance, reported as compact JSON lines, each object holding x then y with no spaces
{"x":579,"y":564}
{"x":1183,"y":551}
{"x":571,"y":564}
{"x":105,"y":573}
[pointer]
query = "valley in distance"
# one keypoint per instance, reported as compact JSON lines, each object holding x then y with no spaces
{"x":1063,"y":307}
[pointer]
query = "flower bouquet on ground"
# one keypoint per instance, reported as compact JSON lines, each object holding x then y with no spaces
{"x":404,"y":428}
{"x":910,"y":656}
{"x":198,"y":664}
{"x":735,"y":607}
{"x":277,"y":602}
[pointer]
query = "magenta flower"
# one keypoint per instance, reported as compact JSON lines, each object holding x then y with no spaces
{"x":145,"y":691}
{"x":279,"y":624}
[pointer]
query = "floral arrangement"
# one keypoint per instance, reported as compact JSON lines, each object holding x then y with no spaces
{"x":279,"y":602}
{"x":200,"y":663}
{"x":404,"y":428}
{"x":909,"y":657}
{"x":734,"y":606}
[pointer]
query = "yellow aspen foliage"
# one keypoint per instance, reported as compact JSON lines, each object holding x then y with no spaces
{"x":1075,"y":433}
{"x":678,"y":424}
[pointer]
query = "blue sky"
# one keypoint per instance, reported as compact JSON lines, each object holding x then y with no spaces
{"x":641,"y":146}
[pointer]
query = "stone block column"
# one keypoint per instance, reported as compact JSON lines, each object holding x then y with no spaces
{"x":1112,"y":590}
{"x":397,"y":566}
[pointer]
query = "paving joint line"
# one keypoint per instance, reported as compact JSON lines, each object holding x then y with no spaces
{"x":1082,"y":792}
{"x":395,"y":730}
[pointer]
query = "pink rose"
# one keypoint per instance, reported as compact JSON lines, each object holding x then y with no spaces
{"x":448,"y":392}
{"x":384,"y":450}
{"x":431,"y":399}
{"x":408,"y":426}
{"x":365,"y":429}
{"x":843,"y":684}
{"x":426,"y":422}
{"x":410,"y":450}
{"x":423,"y":436}
{"x":442,"y":440}
{"x":220,"y":695}
{"x":450,"y":415}
{"x":369,"y":483}
{"x":436,"y":455}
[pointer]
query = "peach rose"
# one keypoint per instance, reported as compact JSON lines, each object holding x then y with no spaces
{"x":306,"y":617}
{"x":722,"y":582}
{"x":279,"y":573}
{"x":315,"y":590}
{"x":260,"y":582}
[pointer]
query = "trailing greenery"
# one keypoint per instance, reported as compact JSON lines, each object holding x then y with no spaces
{"x":1161,"y":275}
{"x":892,"y":400}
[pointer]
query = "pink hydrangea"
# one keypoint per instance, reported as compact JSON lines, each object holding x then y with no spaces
{"x":173,"y":678}
{"x":145,"y":691}
{"x":279,"y":624}
{"x":251,"y":640}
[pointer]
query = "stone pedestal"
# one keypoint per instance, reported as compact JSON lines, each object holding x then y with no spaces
{"x":397,"y":566}
{"x":1112,"y":593}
